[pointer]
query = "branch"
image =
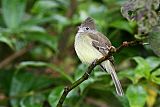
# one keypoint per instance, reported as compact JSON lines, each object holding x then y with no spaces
{"x":17,"y":54}
{"x":85,"y":76}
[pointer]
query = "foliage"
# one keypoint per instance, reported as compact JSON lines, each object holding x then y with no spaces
{"x":37,"y":58}
{"x":146,"y":14}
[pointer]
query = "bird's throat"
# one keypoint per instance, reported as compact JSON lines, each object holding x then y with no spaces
{"x":84,"y":49}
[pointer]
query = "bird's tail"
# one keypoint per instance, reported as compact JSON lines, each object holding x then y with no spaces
{"x":108,"y":66}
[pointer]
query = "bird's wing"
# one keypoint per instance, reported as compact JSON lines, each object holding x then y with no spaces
{"x":101,"y":43}
{"x":97,"y":36}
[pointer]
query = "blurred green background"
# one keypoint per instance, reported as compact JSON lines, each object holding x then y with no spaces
{"x":37,"y":57}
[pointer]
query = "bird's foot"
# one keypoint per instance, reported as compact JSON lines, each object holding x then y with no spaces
{"x":94,"y":62}
{"x":112,"y":49}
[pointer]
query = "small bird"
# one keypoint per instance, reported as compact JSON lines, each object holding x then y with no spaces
{"x":91,"y":45}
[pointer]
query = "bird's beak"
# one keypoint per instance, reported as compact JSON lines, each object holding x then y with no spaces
{"x":80,"y":30}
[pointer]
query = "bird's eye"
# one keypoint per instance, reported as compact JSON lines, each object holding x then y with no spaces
{"x":87,"y":28}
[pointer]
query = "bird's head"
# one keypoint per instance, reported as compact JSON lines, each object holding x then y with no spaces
{"x":87,"y":26}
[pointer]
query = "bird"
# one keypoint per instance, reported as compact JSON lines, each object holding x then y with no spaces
{"x":91,"y":45}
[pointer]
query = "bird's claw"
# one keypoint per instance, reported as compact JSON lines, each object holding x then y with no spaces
{"x":94,"y":62}
{"x":112,"y":49}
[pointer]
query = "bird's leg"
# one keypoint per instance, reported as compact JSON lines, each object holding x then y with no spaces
{"x":93,"y":63}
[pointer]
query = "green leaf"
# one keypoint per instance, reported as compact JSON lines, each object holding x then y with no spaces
{"x":79,"y":73}
{"x":123,"y":25}
{"x":6,"y":40}
{"x":136,"y":95}
{"x":129,"y":73}
{"x":33,"y":101}
{"x":19,"y":85}
{"x":154,"y":40}
{"x":155,"y":76}
{"x":44,"y":64}
{"x":43,"y":6}
{"x":5,"y":80}
{"x":153,"y":61}
{"x":13,"y":11}
{"x":124,"y":101}
{"x":96,"y":11}
{"x":23,"y":84}
{"x":32,"y":28}
{"x":35,"y":20}
{"x":33,"y":63}
{"x":61,"y":19}
{"x":44,"y":38}
{"x":143,"y":68}
{"x":55,"y":95}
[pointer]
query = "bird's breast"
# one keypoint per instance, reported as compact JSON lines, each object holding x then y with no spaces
{"x":84,"y":49}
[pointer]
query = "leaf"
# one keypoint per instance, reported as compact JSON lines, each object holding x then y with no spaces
{"x":55,"y":95}
{"x":152,"y":96}
{"x":154,"y":40}
{"x":31,"y":28}
{"x":123,"y":25}
{"x":5,"y":80}
{"x":61,"y":22}
{"x":155,"y":76}
{"x":61,"y":19}
{"x":44,"y":6}
{"x":19,"y":85}
{"x":136,"y":95}
{"x":153,"y":61}
{"x":24,"y":83}
{"x":6,"y":40}
{"x":33,"y":63}
{"x":123,"y":100}
{"x":142,"y":69}
{"x":96,"y":11}
{"x":36,"y":20}
{"x":33,"y":101}
{"x":79,"y":73}
{"x":44,"y":38}
{"x":44,"y":64}
{"x":13,"y":11}
{"x":129,"y":73}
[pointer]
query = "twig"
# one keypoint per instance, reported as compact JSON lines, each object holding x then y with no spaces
{"x":85,"y":76}
{"x":17,"y":54}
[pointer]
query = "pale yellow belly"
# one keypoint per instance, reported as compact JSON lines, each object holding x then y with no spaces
{"x":85,"y":51}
